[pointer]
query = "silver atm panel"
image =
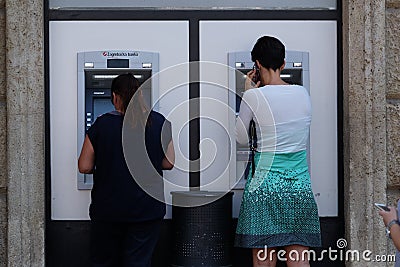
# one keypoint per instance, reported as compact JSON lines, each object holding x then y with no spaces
{"x":96,"y":69}
{"x":296,"y":71}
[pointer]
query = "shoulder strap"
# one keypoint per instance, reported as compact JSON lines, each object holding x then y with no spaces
{"x":253,"y":140}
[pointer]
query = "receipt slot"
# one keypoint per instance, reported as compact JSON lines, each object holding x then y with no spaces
{"x":96,"y":70}
{"x":296,"y":71}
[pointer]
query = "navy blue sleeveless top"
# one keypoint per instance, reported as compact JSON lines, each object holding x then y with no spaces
{"x":116,"y":196}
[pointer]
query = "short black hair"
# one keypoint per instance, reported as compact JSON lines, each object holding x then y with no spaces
{"x":269,"y":51}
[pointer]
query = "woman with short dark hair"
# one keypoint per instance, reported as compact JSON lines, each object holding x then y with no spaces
{"x":278,"y":206}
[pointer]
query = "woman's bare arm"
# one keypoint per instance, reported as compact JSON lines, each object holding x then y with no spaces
{"x":169,"y":160}
{"x":86,"y":158}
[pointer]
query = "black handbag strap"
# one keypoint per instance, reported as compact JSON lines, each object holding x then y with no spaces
{"x":253,"y":145}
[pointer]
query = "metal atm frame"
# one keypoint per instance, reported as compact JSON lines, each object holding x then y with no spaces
{"x":96,"y":69}
{"x":296,"y":71}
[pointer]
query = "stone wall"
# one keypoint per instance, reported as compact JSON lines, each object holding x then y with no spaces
{"x":393,"y":102}
{"x":371,"y":120}
{"x":25,"y":132}
{"x":393,"y":95}
{"x":364,"y":104}
{"x":3,"y":145}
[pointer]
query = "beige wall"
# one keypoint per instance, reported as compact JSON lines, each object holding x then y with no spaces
{"x":393,"y":101}
{"x":371,"y":42}
{"x":393,"y":95}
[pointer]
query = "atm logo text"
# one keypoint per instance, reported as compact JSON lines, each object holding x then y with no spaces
{"x":120,"y":54}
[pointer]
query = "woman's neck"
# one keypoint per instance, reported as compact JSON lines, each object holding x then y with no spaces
{"x":120,"y":111}
{"x":277,"y":81}
{"x":271,"y":77}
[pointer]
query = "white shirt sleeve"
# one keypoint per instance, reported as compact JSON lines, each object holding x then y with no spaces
{"x":244,"y":118}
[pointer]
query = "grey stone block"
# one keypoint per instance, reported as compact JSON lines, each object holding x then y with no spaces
{"x":393,"y":52}
{"x":24,"y":61}
{"x":3,"y":227}
{"x":25,"y":143}
{"x":393,"y":3}
{"x":393,"y":144}
{"x":3,"y":145}
{"x":2,"y":54}
{"x":26,"y":190}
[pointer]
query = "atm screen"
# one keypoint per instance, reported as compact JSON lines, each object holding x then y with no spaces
{"x":101,"y":105}
{"x":117,"y":63}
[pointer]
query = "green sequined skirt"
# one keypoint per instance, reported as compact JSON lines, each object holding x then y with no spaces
{"x":278,"y":206}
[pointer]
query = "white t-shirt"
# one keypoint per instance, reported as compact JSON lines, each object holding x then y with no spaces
{"x":282,"y":114}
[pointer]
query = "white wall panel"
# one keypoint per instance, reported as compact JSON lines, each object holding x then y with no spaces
{"x":319,"y":38}
{"x":169,"y":38}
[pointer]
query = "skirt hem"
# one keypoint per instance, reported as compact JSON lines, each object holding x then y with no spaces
{"x":277,"y":240}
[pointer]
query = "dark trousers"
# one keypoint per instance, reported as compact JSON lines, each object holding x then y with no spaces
{"x":123,"y":244}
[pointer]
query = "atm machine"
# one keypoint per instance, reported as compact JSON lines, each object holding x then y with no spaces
{"x":296,"y":71}
{"x":96,"y":70}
